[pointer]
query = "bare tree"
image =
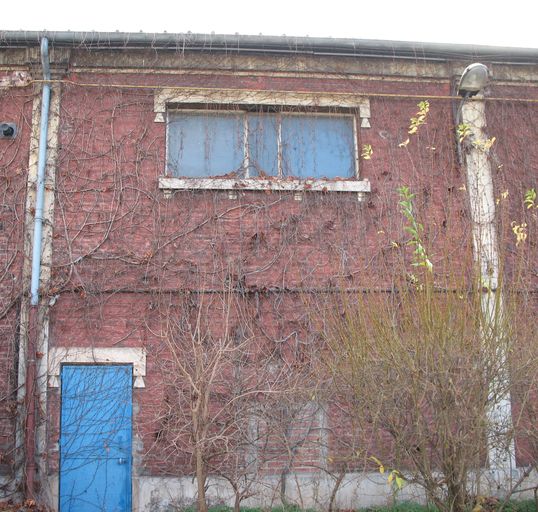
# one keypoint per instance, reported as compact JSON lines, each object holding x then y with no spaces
{"x":422,"y":366}
{"x":224,"y":388}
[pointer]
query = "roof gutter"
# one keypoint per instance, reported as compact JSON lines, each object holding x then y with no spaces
{"x":272,"y":44}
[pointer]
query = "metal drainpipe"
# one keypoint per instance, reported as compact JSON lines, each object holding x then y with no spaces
{"x":41,"y":166}
{"x":33,"y":323}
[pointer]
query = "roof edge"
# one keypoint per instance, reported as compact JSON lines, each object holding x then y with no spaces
{"x":271,"y":44}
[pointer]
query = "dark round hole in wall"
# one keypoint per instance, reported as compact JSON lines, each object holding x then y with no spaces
{"x":7,"y":130}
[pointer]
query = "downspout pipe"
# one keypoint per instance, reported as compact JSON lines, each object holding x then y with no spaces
{"x":33,"y":317}
{"x":41,"y":167}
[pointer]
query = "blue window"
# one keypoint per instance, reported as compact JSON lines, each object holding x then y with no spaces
{"x":207,"y":143}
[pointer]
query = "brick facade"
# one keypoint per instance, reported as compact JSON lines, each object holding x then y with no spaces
{"x":126,"y":258}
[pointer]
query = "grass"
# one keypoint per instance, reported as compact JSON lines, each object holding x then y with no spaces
{"x":224,"y":508}
{"x":511,"y":506}
{"x":402,"y":507}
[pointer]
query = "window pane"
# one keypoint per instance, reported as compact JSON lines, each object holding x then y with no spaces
{"x":205,"y":144}
{"x":317,"y":146}
{"x":263,"y":144}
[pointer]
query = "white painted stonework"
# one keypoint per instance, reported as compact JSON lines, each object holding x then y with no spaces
{"x":306,"y":490}
{"x":169,"y":97}
{"x":81,"y":355}
{"x":243,"y":184}
{"x":501,"y":449}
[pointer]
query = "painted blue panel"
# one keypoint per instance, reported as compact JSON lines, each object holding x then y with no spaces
{"x":95,"y":440}
{"x":315,"y":146}
{"x":205,"y":143}
{"x":263,"y":144}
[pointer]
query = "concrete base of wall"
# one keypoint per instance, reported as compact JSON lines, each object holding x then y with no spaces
{"x":357,"y":490}
{"x":306,"y":490}
{"x":166,"y":494}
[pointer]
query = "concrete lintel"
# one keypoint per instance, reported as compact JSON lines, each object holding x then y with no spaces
{"x":118,"y":355}
{"x":166,"y":97}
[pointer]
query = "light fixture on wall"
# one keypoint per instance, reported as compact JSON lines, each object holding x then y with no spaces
{"x":473,"y":79}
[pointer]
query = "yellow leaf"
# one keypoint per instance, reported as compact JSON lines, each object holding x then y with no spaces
{"x":399,"y":482}
{"x":367,"y":151}
{"x":390,"y":478}
{"x":520,"y":232}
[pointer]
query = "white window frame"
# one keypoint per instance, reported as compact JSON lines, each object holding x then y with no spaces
{"x":167,"y":99}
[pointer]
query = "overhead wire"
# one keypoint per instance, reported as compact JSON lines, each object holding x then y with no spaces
{"x":367,"y":94}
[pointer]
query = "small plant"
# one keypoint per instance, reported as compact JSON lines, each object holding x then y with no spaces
{"x":394,"y":477}
{"x":484,"y":145}
{"x":367,"y":152}
{"x":417,"y":121}
{"x":520,"y":232}
{"x":415,"y":229}
{"x":530,"y":199}
{"x":503,"y":196}
{"x":420,"y":117}
{"x":463,"y":131}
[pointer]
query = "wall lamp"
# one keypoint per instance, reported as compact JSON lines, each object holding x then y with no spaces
{"x":473,"y":79}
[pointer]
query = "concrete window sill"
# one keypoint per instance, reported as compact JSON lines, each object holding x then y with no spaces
{"x":234,"y":185}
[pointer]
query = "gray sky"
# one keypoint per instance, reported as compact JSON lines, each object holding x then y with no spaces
{"x":495,"y":22}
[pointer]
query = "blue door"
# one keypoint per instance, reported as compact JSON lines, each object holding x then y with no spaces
{"x":95,"y":439}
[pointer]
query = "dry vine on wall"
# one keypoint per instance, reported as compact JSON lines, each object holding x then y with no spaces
{"x":234,"y":299}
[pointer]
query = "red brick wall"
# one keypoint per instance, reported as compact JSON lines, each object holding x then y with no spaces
{"x":120,"y":246}
{"x":16,"y":107}
{"x":123,"y":253}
